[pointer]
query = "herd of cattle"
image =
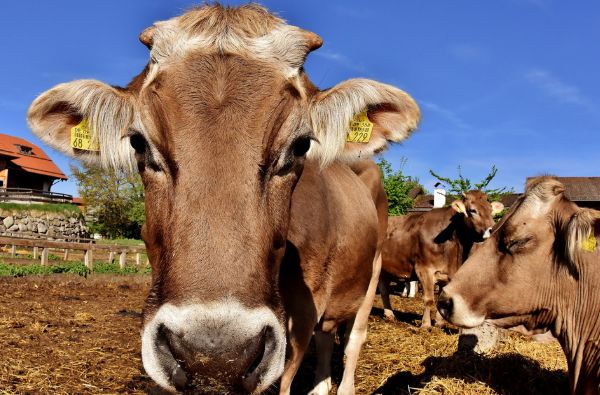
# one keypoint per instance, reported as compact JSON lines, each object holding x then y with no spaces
{"x":266,"y":224}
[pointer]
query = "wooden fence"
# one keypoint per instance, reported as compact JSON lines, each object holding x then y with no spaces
{"x":88,"y":249}
{"x":33,"y":196}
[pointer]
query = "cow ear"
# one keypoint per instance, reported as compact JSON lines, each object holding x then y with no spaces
{"x":86,"y":120}
{"x":358,"y":118}
{"x":583,"y":232}
{"x":459,"y":207}
{"x":497,"y":208}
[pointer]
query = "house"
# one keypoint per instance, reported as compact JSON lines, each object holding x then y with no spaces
{"x":585,"y":191}
{"x":25,"y":165}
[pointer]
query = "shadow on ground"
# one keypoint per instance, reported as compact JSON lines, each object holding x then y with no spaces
{"x":505,"y":374}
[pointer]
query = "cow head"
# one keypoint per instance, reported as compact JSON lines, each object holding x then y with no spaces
{"x":219,"y":125}
{"x":538,"y":247}
{"x":478,"y":213}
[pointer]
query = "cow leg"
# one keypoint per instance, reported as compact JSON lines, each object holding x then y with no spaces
{"x":358,"y":332}
{"x":426,"y":279}
{"x":300,"y":333}
{"x":384,"y":284}
{"x":324,"y":345}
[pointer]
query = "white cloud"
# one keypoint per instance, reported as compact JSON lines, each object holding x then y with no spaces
{"x":557,"y":89}
{"x":450,"y":115}
{"x":340,"y":59}
{"x":467,"y":52}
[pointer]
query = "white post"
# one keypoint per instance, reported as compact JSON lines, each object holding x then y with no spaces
{"x":88,"y":259}
{"x":45,"y":256}
{"x":122,"y":259}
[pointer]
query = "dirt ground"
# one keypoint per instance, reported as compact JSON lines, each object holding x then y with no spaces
{"x":64,"y":334}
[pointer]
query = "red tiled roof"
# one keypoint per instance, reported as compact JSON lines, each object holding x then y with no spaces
{"x":35,"y":162}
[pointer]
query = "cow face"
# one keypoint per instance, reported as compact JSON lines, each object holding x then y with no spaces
{"x":478,"y":212}
{"x":219,"y":126}
{"x":535,"y":249}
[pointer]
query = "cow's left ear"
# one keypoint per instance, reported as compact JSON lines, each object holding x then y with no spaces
{"x":358,"y":118}
{"x":583,"y":232}
{"x":459,"y":207}
{"x":497,"y":208}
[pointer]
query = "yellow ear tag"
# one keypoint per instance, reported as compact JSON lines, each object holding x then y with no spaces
{"x":81,"y":137}
{"x":589,"y":244}
{"x":360,"y":129}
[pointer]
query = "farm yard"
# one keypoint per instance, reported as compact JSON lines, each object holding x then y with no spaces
{"x":65,"y":334}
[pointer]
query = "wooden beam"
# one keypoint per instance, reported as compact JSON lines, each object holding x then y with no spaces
{"x":16,"y":241}
{"x":35,"y":252}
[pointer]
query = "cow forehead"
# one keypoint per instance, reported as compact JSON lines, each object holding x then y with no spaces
{"x":475,"y":198}
{"x":248,"y":31}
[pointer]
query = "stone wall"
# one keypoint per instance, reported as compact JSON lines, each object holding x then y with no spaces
{"x":36,"y":223}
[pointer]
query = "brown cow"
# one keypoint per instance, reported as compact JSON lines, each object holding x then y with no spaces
{"x":237,"y":149}
{"x":432,"y":245}
{"x":540,"y":268}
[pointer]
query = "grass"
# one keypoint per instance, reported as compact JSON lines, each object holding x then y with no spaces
{"x":8,"y":270}
{"x":127,"y":242}
{"x":50,"y":208}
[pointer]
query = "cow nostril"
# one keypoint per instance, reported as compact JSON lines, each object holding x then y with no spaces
{"x":444,"y":305}
{"x":179,"y":377}
{"x":251,"y":377}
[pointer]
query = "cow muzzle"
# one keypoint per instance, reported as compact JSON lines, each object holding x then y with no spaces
{"x":223,"y":346}
{"x":487,"y":233}
{"x":454,"y":309}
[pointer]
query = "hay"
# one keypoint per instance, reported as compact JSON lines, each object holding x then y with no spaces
{"x":64,"y":334}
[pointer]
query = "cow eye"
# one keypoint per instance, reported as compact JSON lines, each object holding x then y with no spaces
{"x":472,"y":211}
{"x":513,"y":245}
{"x":301,"y":146}
{"x":138,"y":142}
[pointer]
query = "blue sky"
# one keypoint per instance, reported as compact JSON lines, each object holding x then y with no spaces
{"x":514,"y":83}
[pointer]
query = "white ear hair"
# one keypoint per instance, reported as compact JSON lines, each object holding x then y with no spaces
{"x":497,"y":207}
{"x":459,"y":207}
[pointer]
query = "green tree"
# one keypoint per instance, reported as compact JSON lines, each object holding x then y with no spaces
{"x":114,"y":198}
{"x":397,"y":186}
{"x":461,"y":184}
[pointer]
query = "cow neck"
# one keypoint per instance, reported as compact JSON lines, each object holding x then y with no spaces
{"x":577,"y":326}
{"x":465,"y":236}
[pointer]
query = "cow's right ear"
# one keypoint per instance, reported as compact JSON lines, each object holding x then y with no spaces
{"x":87,"y":120}
{"x":459,"y":207}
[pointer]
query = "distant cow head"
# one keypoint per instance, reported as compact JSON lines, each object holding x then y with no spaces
{"x":515,"y":275}
{"x":219,"y":125}
{"x":478,"y":212}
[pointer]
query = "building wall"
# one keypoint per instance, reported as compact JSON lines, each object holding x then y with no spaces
{"x":22,"y":179}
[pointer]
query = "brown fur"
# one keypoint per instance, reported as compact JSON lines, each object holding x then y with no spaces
{"x":235,"y":208}
{"x":534,"y":271}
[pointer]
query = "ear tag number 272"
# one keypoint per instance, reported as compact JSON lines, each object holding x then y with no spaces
{"x":360,"y":129}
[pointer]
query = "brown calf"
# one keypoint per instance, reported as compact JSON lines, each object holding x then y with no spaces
{"x":254,"y":242}
{"x":432,"y":245}
{"x":540,"y":268}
